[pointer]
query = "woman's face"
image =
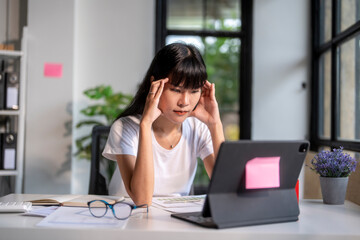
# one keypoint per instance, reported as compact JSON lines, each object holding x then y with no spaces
{"x":176,"y":102}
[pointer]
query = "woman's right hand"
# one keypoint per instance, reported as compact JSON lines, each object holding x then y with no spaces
{"x":151,"y":109}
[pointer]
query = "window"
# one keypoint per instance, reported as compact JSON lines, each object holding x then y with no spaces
{"x":336,"y":74}
{"x":222,"y":32}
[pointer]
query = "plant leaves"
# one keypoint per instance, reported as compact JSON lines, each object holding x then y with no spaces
{"x":93,"y":110}
{"x":80,"y":141}
{"x":88,"y":122}
{"x":110,"y":107}
{"x":98,"y":92}
{"x":118,"y":99}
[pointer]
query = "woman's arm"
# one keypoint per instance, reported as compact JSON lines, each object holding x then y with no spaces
{"x":217,"y":137}
{"x":138,"y":172}
{"x":207,"y":111}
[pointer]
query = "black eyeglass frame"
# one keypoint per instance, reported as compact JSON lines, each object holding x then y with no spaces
{"x":111,"y":206}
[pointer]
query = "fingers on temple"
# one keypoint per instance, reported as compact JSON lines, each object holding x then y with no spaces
{"x":157,"y":87}
{"x":212,"y":89}
{"x":207,"y":84}
{"x":207,"y":89}
{"x":160,"y":89}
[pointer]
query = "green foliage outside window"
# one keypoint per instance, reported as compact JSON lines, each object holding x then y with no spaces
{"x":222,"y":61}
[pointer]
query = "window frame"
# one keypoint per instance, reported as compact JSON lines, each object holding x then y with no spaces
{"x":337,"y":38}
{"x":245,"y":65}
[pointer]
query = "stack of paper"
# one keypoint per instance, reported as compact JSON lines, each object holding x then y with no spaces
{"x":180,"y":204}
{"x":38,"y":211}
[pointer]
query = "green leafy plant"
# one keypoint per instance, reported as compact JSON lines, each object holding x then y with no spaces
{"x":107,"y":107}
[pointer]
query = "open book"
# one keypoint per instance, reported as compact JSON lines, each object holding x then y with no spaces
{"x":72,"y":200}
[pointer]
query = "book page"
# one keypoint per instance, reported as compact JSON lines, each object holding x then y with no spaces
{"x":81,"y":201}
{"x":53,"y":199}
{"x":72,"y":200}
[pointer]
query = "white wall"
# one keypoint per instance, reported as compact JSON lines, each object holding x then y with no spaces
{"x":48,"y":100}
{"x":98,"y":42}
{"x":281,"y":64}
{"x":114,"y":45}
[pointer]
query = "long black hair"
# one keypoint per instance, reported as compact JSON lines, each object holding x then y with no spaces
{"x":183,"y":62}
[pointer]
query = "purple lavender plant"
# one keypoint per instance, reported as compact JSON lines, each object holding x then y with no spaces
{"x":333,"y":164}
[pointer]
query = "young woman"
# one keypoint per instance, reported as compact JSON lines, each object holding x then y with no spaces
{"x":172,"y":120}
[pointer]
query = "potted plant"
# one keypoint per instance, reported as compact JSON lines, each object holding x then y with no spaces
{"x":334,"y":168}
{"x":107,"y":106}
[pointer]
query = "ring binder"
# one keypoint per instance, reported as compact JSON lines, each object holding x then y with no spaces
{"x":1,"y":155}
{"x":8,"y":151}
{"x":2,"y":84}
{"x":12,"y":90}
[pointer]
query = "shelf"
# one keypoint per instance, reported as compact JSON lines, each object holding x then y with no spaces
{"x":9,"y":172}
{"x":9,"y":112}
{"x":11,"y":53}
{"x":18,"y":173}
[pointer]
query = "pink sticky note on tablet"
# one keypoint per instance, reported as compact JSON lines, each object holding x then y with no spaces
{"x":53,"y":70}
{"x":262,"y":172}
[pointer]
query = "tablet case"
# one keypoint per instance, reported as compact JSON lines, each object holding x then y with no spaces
{"x":230,"y":204}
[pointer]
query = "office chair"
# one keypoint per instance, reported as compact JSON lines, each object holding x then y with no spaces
{"x":98,"y":184}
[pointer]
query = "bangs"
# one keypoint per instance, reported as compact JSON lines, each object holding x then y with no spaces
{"x":189,"y":73}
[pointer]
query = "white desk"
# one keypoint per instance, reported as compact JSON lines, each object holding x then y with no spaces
{"x":316,"y":221}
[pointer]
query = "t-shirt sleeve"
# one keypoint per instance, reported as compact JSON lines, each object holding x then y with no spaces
{"x":122,"y":139}
{"x":205,"y":142}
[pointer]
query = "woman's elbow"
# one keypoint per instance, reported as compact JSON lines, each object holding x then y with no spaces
{"x":141,"y":200}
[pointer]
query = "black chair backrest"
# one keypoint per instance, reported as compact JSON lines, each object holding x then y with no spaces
{"x":98,"y":183}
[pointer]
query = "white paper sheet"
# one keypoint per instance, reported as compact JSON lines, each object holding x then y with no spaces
{"x":180,"y":204}
{"x":39,"y":211}
{"x":75,"y":217}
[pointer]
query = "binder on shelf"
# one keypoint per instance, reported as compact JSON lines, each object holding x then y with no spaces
{"x":2,"y":84}
{"x":11,"y":90}
{"x":1,"y":155}
{"x":8,"y":151}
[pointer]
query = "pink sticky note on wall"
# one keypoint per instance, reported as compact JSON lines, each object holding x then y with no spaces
{"x":53,"y":70}
{"x":262,"y":172}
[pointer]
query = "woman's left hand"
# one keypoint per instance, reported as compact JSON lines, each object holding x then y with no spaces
{"x":207,"y":109}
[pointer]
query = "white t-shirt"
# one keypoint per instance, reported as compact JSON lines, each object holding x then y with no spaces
{"x":174,"y":169}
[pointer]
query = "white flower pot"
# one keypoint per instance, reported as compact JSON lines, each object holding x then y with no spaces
{"x":333,"y":189}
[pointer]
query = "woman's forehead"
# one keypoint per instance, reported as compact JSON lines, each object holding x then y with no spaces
{"x":181,"y":85}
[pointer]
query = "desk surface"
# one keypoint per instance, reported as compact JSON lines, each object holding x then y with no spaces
{"x":316,"y":221}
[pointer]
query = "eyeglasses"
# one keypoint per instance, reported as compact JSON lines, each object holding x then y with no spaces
{"x":120,"y":210}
